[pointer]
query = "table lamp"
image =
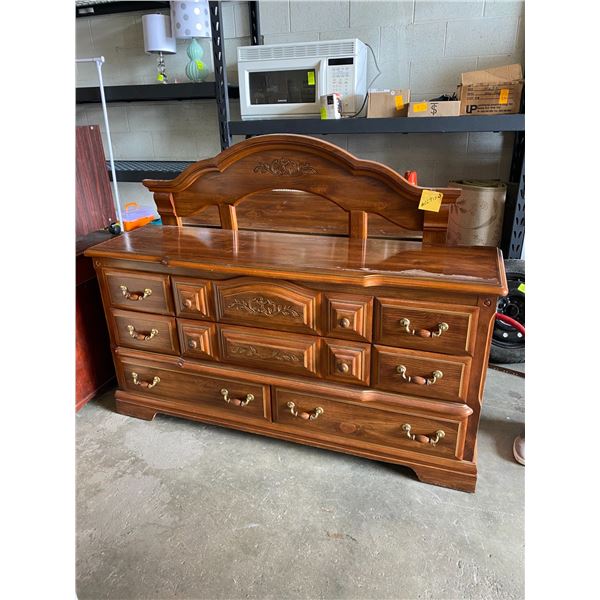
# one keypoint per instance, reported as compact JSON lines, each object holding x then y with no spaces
{"x":191,"y":20}
{"x":158,"y":39}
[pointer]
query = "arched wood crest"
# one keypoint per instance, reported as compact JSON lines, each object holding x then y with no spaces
{"x":268,"y":163}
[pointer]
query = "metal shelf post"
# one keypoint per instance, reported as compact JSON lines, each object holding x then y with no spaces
{"x":221,"y":92}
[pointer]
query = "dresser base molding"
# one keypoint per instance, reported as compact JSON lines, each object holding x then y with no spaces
{"x":454,"y":474}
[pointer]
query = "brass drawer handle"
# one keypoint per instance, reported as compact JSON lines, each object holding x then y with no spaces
{"x":193,"y":344}
{"x":141,"y":336}
{"x":144,"y":384}
{"x":343,"y":367}
{"x":345,"y":323}
{"x":424,"y":439}
{"x":135,"y":295}
{"x":236,"y":401}
{"x":187,"y":303}
{"x":307,"y":416}
{"x":417,"y":379}
{"x":405,"y":323}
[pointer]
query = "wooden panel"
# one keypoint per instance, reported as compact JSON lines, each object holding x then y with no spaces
{"x":348,"y":316}
{"x":202,"y":391}
{"x":425,"y":320}
{"x":192,"y":297}
{"x":297,"y":162}
{"x":347,"y":362}
{"x":295,"y":211}
{"x":264,"y":303}
{"x":198,"y":339}
{"x":314,"y":258}
{"x":420,"y":366}
{"x":137,"y":284}
{"x":155,"y":333}
{"x":257,"y":348}
{"x":93,"y":361}
{"x":363,"y":424}
{"x":94,"y":201}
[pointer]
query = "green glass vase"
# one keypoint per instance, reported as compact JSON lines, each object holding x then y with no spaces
{"x":195,"y":69}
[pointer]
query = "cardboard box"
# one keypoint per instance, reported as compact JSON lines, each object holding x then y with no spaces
{"x":492,"y":91}
{"x":448,"y":108}
{"x":383,"y":104}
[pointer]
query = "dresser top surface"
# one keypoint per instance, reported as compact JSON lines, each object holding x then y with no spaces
{"x":365,"y":263}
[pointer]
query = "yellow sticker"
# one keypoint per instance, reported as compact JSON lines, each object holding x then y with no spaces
{"x":431,"y":200}
{"x":323,"y":113}
{"x":159,"y":77}
{"x":521,"y":288}
{"x":503,"y":96}
{"x":419,"y":106}
{"x":399,"y":100}
{"x":311,"y":78}
{"x":199,"y":64}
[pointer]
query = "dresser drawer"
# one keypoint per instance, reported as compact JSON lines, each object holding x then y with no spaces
{"x":421,"y":373}
{"x":198,"y":339}
{"x":347,"y":362}
{"x":212,"y":394}
{"x":265,"y":303}
{"x":348,"y":317}
{"x":323,"y":417}
{"x":142,"y":292}
{"x":260,"y":349}
{"x":192,"y":297}
{"x":155,"y":333}
{"x":445,"y":328}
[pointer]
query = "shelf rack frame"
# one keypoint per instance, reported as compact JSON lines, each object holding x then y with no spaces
{"x":514,"y":214}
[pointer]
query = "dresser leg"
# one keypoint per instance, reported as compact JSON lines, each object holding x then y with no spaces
{"x":464,"y":482}
{"x":133,"y":410}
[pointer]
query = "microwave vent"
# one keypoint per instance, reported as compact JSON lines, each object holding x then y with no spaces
{"x":340,"y":48}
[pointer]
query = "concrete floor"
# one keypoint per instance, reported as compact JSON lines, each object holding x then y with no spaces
{"x":175,"y":509}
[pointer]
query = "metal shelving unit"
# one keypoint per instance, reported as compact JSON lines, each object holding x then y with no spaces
{"x":90,"y":9}
{"x":514,"y":214}
{"x":204,"y":90}
{"x":463,"y":124}
{"x":138,"y":170}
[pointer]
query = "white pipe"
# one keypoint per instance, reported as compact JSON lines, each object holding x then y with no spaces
{"x":99,"y":62}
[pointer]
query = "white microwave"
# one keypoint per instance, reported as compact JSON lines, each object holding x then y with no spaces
{"x":287,"y":80}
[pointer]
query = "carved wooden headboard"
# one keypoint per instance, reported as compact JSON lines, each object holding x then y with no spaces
{"x":298,"y":183}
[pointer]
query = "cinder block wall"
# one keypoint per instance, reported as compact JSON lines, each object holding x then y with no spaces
{"x":419,"y":44}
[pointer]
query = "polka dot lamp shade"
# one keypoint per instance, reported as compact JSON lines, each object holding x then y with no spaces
{"x":190,"y":19}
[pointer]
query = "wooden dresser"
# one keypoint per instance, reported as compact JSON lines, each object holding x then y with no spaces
{"x":362,"y":341}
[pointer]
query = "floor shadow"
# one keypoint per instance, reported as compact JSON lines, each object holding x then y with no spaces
{"x":503,"y":433}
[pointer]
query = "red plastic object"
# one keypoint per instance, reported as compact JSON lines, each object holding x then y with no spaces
{"x":511,"y":321}
{"x":411,"y":176}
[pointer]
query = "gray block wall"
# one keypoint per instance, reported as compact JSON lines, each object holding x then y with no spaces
{"x":418,"y":44}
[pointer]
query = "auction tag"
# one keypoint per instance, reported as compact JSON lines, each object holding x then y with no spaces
{"x":199,"y":64}
{"x":503,"y":96}
{"x":420,"y":107}
{"x":159,"y":77}
{"x":311,"y":78}
{"x":431,"y":200}
{"x":521,"y":288}
{"x":399,"y":100}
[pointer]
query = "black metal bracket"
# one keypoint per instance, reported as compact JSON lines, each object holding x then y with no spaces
{"x":92,"y":9}
{"x":513,"y":228}
{"x":256,"y":38}
{"x":221,"y":92}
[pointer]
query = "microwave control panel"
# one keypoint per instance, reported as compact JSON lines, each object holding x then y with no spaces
{"x":340,"y":79}
{"x":348,"y":77}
